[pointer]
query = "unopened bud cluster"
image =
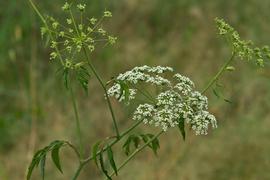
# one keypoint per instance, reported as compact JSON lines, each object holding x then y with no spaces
{"x":243,"y":49}
{"x":75,"y":34}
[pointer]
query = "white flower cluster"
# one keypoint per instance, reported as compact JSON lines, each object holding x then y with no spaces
{"x":145,"y":74}
{"x":120,"y":95}
{"x":138,"y":74}
{"x":178,"y":101}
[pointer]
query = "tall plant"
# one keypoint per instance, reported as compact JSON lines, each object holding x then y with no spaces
{"x":171,"y":100}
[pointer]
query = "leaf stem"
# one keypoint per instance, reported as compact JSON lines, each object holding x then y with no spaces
{"x":105,"y":91}
{"x":219,"y":73}
{"x":47,"y":27}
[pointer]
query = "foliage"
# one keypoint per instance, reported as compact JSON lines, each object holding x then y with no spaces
{"x":39,"y":158}
{"x":175,"y":104}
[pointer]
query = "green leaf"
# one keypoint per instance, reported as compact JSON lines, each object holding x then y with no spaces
{"x":155,"y":145}
{"x":83,"y":76}
{"x":39,"y":158}
{"x":103,"y":167}
{"x":42,"y":166}
{"x":55,"y":157}
{"x":126,"y":146}
{"x":144,"y":138}
{"x":94,"y":151}
{"x":34,"y":163}
{"x":136,"y":141}
{"x":111,"y":159}
{"x":181,"y":126}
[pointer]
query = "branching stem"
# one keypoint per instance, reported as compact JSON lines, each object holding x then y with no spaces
{"x":85,"y":161}
{"x":78,"y":126}
{"x":215,"y":78}
{"x":136,"y":152}
{"x":47,"y":27}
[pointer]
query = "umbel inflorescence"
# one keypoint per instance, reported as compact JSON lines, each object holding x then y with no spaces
{"x":75,"y":34}
{"x":177,"y":102}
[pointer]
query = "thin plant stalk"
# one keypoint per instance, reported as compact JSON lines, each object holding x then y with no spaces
{"x":220,"y":72}
{"x":78,"y":129}
{"x":78,"y":126}
{"x":47,"y":27}
{"x":105,"y":91}
{"x":33,"y":96}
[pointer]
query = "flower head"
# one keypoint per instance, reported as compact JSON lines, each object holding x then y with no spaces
{"x":177,"y":101}
{"x":70,"y":38}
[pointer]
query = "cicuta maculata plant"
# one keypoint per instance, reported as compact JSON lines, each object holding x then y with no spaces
{"x":175,"y":103}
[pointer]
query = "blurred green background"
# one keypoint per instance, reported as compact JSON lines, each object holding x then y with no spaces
{"x":35,"y":109}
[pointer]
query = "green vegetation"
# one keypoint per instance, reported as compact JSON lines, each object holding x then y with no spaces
{"x":36,"y":107}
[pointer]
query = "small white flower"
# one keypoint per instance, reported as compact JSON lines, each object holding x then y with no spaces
{"x":115,"y":91}
{"x":177,"y":101}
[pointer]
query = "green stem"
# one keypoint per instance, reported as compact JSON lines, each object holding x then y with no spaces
{"x":105,"y":91}
{"x":74,"y":23}
{"x":78,"y":171}
{"x":78,"y":127}
{"x":116,"y":140}
{"x":37,"y":11}
{"x":145,"y":95}
{"x":84,"y":162}
{"x":215,"y":78}
{"x":71,"y":91}
{"x":136,"y":152}
{"x":47,"y":27}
